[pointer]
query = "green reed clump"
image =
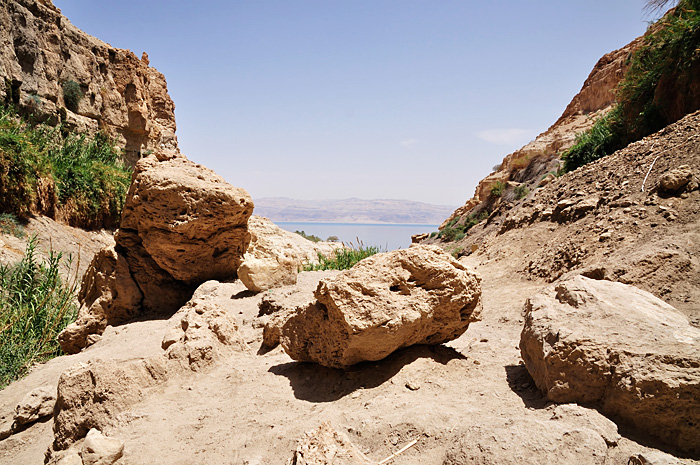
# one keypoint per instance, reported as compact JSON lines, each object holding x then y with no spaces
{"x":35,"y":305}
{"x":342,"y":258}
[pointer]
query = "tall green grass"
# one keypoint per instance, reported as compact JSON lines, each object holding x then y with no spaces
{"x":343,"y":258}
{"x":42,"y":167}
{"x":35,"y":305}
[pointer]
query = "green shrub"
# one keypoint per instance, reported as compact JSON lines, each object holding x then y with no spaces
{"x":657,"y":88}
{"x":332,"y":239}
{"x":72,"y":95}
{"x":89,"y":176}
{"x":309,"y":237}
{"x":521,"y":191}
{"x":35,"y":305}
{"x":342,"y":258}
{"x":10,"y":225}
{"x":498,"y":188}
{"x":455,"y":232}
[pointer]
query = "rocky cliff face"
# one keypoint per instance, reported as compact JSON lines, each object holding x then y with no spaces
{"x":597,"y":96}
{"x":41,"y":51}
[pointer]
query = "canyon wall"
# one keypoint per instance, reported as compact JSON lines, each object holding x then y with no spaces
{"x":43,"y":57}
{"x":597,"y":96}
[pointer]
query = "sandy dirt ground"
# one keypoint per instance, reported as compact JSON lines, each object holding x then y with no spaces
{"x":251,"y":408}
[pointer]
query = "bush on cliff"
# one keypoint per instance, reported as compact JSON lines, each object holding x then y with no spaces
{"x":660,"y":86}
{"x":35,"y":305}
{"x":43,"y":169}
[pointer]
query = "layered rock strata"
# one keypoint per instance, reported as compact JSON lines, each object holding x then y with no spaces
{"x":41,"y":51}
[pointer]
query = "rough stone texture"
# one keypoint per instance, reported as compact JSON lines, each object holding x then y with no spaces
{"x":528,"y":442}
{"x":683,"y":178}
{"x":110,"y":296}
{"x":202,"y":331}
{"x":618,"y":348}
{"x":98,"y":449}
{"x":91,"y":395}
{"x":182,"y":225}
{"x":40,"y":50}
{"x":326,"y":446}
{"x":34,"y":406}
{"x":419,"y":295}
{"x":274,"y":256}
{"x":653,"y":457}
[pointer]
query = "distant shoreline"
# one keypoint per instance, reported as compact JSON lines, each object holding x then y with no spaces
{"x":353,"y":224}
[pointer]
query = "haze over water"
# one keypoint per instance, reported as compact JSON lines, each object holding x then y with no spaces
{"x":385,"y":236}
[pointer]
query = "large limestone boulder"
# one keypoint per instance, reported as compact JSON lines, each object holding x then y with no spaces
{"x":620,"y":349}
{"x":274,"y":255}
{"x":396,"y":299}
{"x":182,"y":225}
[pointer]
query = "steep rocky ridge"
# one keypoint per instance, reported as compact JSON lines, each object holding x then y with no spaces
{"x":40,"y":50}
{"x":611,"y":219}
{"x":529,"y":163}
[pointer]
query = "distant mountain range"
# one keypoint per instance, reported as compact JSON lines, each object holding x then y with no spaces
{"x":351,"y":211}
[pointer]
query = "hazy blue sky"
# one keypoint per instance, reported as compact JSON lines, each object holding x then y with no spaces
{"x":410,"y":99}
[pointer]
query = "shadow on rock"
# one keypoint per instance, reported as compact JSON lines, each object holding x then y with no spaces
{"x":521,"y":383}
{"x":316,"y":383}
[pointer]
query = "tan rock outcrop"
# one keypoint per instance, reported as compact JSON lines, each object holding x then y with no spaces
{"x":98,"y":449}
{"x":391,"y":300}
{"x":620,"y":349}
{"x":40,"y":50}
{"x":274,"y":256}
{"x":91,"y":395}
{"x":202,"y":332}
{"x":596,"y":97}
{"x":681,"y":179}
{"x":182,"y":225}
{"x":502,"y":441}
{"x":34,"y":406}
{"x":326,"y":446}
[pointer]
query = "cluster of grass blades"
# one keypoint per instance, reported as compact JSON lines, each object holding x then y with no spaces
{"x":659,"y":87}
{"x":35,"y":305}
{"x":43,"y":166}
{"x":343,"y":258}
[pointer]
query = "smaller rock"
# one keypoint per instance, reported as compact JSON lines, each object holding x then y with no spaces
{"x":325,"y":446}
{"x":677,"y":179}
{"x":261,"y":274}
{"x":101,"y":450}
{"x":34,"y":406}
{"x":605,"y":236}
{"x":5,"y":430}
{"x":654,"y":457}
{"x":410,"y":385}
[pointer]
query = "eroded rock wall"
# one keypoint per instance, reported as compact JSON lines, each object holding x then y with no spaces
{"x":40,"y":50}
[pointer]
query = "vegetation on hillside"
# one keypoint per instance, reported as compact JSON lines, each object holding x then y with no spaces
{"x":35,"y":305}
{"x":45,"y":169}
{"x":659,"y":87}
{"x":343,"y":258}
{"x":456,"y":230}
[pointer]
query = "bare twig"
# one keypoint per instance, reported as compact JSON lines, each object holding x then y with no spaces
{"x":648,"y":172}
{"x":396,"y":454}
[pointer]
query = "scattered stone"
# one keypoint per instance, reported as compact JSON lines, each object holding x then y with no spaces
{"x":101,"y":450}
{"x":419,"y":295}
{"x":326,"y":446}
{"x":34,"y":406}
{"x":681,"y":178}
{"x":605,"y":236}
{"x":5,"y":430}
{"x":411,"y":386}
{"x":621,"y":349}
